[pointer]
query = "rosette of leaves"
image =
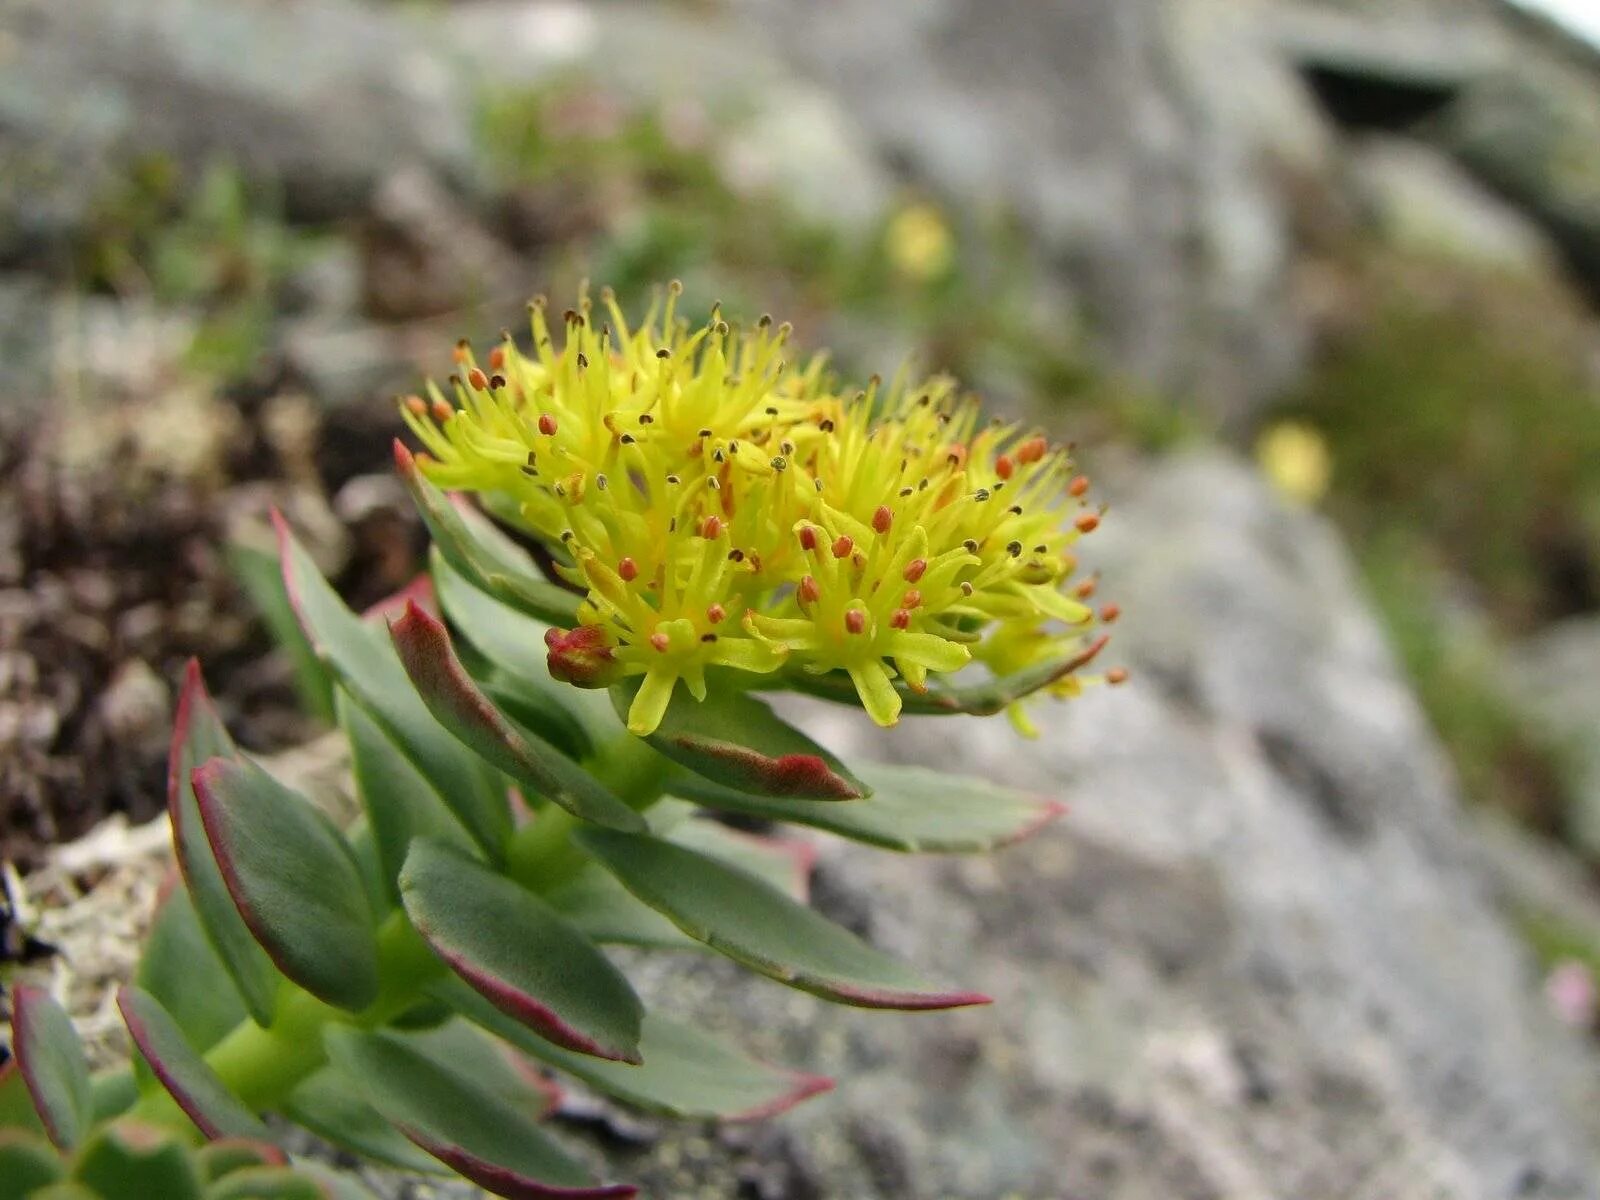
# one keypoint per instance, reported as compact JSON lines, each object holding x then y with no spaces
{"x":414,"y":984}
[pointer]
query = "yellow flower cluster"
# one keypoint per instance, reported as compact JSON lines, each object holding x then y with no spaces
{"x":720,"y":507}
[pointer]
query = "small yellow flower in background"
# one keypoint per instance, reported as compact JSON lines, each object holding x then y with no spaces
{"x":1295,"y":458}
{"x":721,"y":507}
{"x":919,"y":244}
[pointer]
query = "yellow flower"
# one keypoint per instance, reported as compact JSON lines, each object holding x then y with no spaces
{"x":1295,"y":459}
{"x":918,"y":243}
{"x":723,"y":509}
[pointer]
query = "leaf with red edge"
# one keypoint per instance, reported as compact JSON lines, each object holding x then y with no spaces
{"x":198,"y":735}
{"x":180,"y":968}
{"x":754,"y":923}
{"x":513,"y":949}
{"x":364,"y":660}
{"x":735,"y":739}
{"x":16,"y":1105}
{"x":131,"y":1159}
{"x":196,"y":1088}
{"x":54,"y":1068}
{"x":293,"y":879}
{"x":336,"y":1109}
{"x":911,"y":809}
{"x":462,"y":708}
{"x":227,"y":1155}
{"x":686,"y":1072}
{"x":463,"y":1125}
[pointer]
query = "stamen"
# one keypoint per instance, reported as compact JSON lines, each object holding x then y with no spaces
{"x":882,"y":519}
{"x":1003,"y":467}
{"x":477,"y":380}
{"x":1109,"y":613}
{"x":914,"y":569}
{"x":900,"y":620}
{"x":715,"y":614}
{"x":628,"y":569}
{"x":1117,"y":676}
{"x":660,"y":641}
{"x":842,"y":545}
{"x":547,"y":424}
{"x":1088,"y":522}
{"x":808,"y":537}
{"x":912,"y":599}
{"x":855,"y":621}
{"x":1032,"y":450}
{"x":1078,"y":486}
{"x":808,"y":592}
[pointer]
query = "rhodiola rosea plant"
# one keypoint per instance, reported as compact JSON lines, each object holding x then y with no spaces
{"x":666,"y":524}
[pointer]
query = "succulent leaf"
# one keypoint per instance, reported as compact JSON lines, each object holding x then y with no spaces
{"x":220,"y":1158}
{"x":911,"y":809}
{"x":202,"y":1096}
{"x":735,"y":739}
{"x":265,"y":1183}
{"x":754,"y":923}
{"x":517,"y":952}
{"x":365,"y":662}
{"x":336,"y":1109}
{"x":198,"y":734}
{"x":26,"y":1164}
{"x":52,"y":1064}
{"x":134,"y":1161}
{"x":463,"y":1125}
{"x":462,"y":708}
{"x":293,"y":879}
{"x":182,"y":971}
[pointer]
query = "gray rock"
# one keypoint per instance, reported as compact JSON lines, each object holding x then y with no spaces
{"x":1555,"y":675}
{"x":1259,"y":957}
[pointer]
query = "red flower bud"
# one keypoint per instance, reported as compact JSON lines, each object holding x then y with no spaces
{"x":582,"y":656}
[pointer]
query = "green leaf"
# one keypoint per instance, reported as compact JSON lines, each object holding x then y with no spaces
{"x":335,"y":1108}
{"x":293,"y":879}
{"x":518,"y":953}
{"x":463,"y":1125}
{"x":400,"y":804}
{"x":336,"y":1185}
{"x":486,"y":562}
{"x":911,"y":809}
{"x":461,"y":707}
{"x":266,"y":1183}
{"x":134,"y":1161}
{"x":16,"y":1105}
{"x":53,"y":1065}
{"x":511,"y":646}
{"x":196,"y":1088}
{"x":26,"y":1164}
{"x":754,"y":923}
{"x":685,"y":1073}
{"x":365,"y":662}
{"x":735,"y":739}
{"x":198,"y":735}
{"x":491,"y":1063}
{"x":66,"y":1190}
{"x":221,"y":1158}
{"x":115,"y":1091}
{"x":785,"y":864}
{"x":259,"y":575}
{"x":181,"y":970}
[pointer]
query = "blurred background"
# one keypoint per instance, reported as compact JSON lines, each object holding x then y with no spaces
{"x":1312,"y":283}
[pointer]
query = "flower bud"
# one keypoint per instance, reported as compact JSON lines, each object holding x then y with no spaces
{"x":582,"y":656}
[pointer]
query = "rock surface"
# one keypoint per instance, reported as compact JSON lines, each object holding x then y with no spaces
{"x":1258,"y":958}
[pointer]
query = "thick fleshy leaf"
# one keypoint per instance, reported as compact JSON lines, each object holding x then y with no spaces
{"x":198,"y":735}
{"x":182,"y":971}
{"x":511,"y":648}
{"x":911,"y":809}
{"x":463,"y":1125}
{"x":16,"y":1105}
{"x":27,"y":1163}
{"x":483,"y":561}
{"x":293,"y":880}
{"x":133,"y":1161}
{"x":67,"y":1189}
{"x":983,"y":699}
{"x":754,"y":923}
{"x":493,"y":1064}
{"x":221,"y":1158}
{"x":261,"y":578}
{"x":266,"y":1183}
{"x":53,"y":1065}
{"x":401,"y":805}
{"x":604,"y":911}
{"x":461,"y":707}
{"x":785,"y":863}
{"x":336,"y":1109}
{"x":518,"y":953}
{"x":336,"y":1185}
{"x":735,"y":739}
{"x":361,"y":655}
{"x":685,"y":1073}
{"x":202,"y":1096}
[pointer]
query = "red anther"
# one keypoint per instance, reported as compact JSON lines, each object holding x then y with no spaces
{"x":1117,"y":675}
{"x":478,"y":380}
{"x":660,"y":641}
{"x":855,"y":621}
{"x":808,"y":591}
{"x":912,"y":598}
{"x":900,"y":620}
{"x":1087,"y":588}
{"x":715,"y":614}
{"x":711,"y":527}
{"x":547,"y":424}
{"x":1004,"y":467}
{"x":1032,"y":450}
{"x":956,"y":455}
{"x":628,"y":569}
{"x":808,"y":537}
{"x":497,"y":358}
{"x":1110,"y":613}
{"x":1078,"y":486}
{"x":915,"y":568}
{"x":1088,"y":522}
{"x":882,"y":518}
{"x":459,"y":354}
{"x":442,"y":412}
{"x":842,"y":545}
{"x":417,"y":405}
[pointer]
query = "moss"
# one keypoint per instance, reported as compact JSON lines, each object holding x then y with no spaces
{"x":1555,"y":940}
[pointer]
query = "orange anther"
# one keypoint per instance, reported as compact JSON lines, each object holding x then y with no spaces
{"x":1110,"y":613}
{"x":915,"y":568}
{"x":808,"y":592}
{"x":1032,"y":450}
{"x":900,"y":620}
{"x":808,"y":537}
{"x":660,"y":641}
{"x":1078,"y":486}
{"x":912,"y":598}
{"x":478,"y":380}
{"x":1004,"y":467}
{"x":628,"y":569}
{"x":1117,"y":675}
{"x":1088,"y":522}
{"x":547,"y":424}
{"x":497,"y":358}
{"x":855,"y":621}
{"x":417,"y":406}
{"x":882,"y":519}
{"x":442,"y":412}
{"x":711,"y":527}
{"x":842,"y":545}
{"x":715,"y":614}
